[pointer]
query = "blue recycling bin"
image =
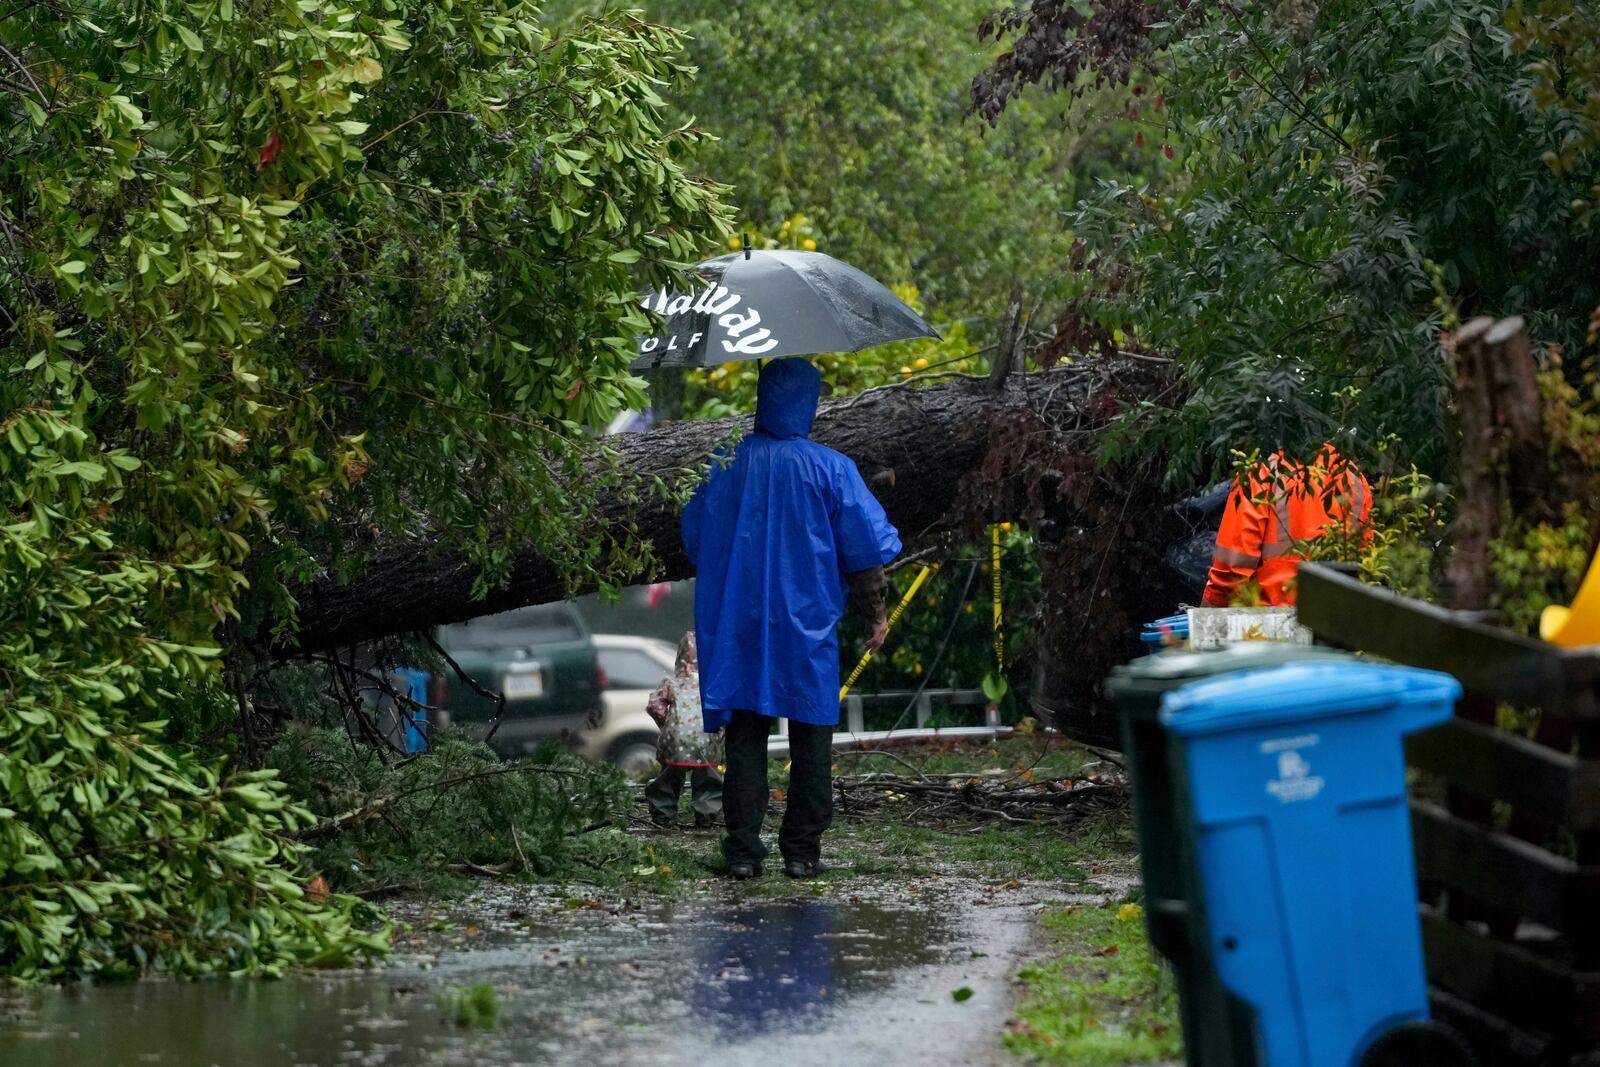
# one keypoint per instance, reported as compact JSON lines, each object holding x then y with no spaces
{"x":1296,"y":802}
{"x":415,"y":720}
{"x":1155,"y":635}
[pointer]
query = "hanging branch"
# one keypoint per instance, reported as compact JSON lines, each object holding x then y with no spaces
{"x":472,"y":683}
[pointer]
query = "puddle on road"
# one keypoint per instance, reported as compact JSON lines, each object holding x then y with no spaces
{"x":667,"y":983}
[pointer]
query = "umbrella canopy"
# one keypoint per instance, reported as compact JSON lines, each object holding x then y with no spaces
{"x":767,"y":304}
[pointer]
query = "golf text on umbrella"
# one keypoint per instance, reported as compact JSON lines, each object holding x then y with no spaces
{"x":713,"y":302}
{"x":767,"y":303}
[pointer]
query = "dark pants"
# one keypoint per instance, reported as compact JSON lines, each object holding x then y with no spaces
{"x":705,"y":786}
{"x":809,"y":811}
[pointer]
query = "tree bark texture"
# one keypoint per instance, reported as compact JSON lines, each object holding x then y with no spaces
{"x":1504,"y":452}
{"x":929,"y":455}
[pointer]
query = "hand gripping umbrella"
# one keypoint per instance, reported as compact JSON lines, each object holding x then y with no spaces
{"x":767,"y":304}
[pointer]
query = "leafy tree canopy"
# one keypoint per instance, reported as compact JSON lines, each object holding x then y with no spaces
{"x":854,"y":114}
{"x":272,"y":272}
{"x":1335,"y":168}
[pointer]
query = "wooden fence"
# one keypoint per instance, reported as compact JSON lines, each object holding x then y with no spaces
{"x":1508,"y":841}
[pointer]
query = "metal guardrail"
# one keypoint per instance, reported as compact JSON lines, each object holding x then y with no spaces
{"x":855,"y":704}
{"x":853,"y":731}
{"x":778,"y":744}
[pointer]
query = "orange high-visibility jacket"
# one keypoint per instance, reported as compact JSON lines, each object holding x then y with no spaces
{"x":1285,"y":502}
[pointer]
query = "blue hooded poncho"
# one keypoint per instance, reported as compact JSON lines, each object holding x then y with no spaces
{"x":772,"y":536}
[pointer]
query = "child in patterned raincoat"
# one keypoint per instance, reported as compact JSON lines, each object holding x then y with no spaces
{"x":683,"y":747}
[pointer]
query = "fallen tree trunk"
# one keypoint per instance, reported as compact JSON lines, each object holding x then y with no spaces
{"x":935,"y":456}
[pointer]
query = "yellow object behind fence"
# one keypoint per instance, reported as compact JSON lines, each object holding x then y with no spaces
{"x":1579,"y":624}
{"x":999,"y":631}
{"x":894,"y":617}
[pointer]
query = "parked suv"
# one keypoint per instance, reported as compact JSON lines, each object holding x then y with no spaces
{"x":632,"y":667}
{"x":544,"y":661}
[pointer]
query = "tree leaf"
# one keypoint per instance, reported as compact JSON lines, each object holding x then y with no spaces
{"x":89,"y":472}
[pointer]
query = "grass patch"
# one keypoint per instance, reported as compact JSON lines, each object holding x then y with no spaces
{"x":474,"y":1007}
{"x":880,"y":847}
{"x":1103,"y":1000}
{"x":1043,"y":852}
{"x":674,"y":864}
{"x":894,"y":852}
{"x":565,"y":822}
{"x":1046,"y":755}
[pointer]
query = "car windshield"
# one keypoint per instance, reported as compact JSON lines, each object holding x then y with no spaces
{"x":543,"y":624}
{"x":631,"y":668}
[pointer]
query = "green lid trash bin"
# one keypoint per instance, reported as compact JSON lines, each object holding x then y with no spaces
{"x":1218,"y":1030}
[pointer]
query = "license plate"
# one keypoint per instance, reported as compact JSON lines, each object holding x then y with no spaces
{"x":523,"y":685}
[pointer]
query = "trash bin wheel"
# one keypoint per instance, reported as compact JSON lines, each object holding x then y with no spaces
{"x":1420,"y":1044}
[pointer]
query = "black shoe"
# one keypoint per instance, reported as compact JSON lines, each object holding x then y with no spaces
{"x":743,"y":872}
{"x":801,"y":869}
{"x":666,"y":822}
{"x":705,"y":822}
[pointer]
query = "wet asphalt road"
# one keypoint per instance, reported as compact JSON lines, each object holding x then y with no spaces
{"x":847,"y":977}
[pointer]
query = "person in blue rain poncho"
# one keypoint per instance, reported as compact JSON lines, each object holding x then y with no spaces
{"x":779,"y":537}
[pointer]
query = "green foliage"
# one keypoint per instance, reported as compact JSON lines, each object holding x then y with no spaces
{"x":1400,"y":548}
{"x":1539,"y":565}
{"x":122,"y":855}
{"x":474,"y":1007}
{"x":854,"y":114}
{"x":1561,"y":38}
{"x":1410,"y":516}
{"x":1324,"y":154}
{"x":1104,"y":999}
{"x":271,"y":273}
{"x":460,"y":804}
{"x":731,"y":388}
{"x":1536,"y":564}
{"x":939,"y":608}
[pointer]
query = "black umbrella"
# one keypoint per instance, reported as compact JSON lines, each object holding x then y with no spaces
{"x":762,"y":305}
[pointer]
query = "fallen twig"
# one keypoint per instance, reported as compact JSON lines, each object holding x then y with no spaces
{"x":880,"y":752}
{"x":499,"y":870}
{"x":516,"y":840}
{"x":381,"y":892}
{"x":1108,"y":755}
{"x":944,"y":798}
{"x":498,"y":698}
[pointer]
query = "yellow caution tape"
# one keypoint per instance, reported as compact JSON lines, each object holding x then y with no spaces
{"x":999,"y":632}
{"x":894,"y":617}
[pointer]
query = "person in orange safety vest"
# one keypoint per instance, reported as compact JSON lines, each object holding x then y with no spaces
{"x":1286,"y":502}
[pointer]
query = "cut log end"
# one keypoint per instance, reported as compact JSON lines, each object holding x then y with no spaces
{"x":1504,"y":330}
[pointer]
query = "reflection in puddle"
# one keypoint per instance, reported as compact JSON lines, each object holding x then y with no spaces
{"x":768,"y":968}
{"x":638,"y":989}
